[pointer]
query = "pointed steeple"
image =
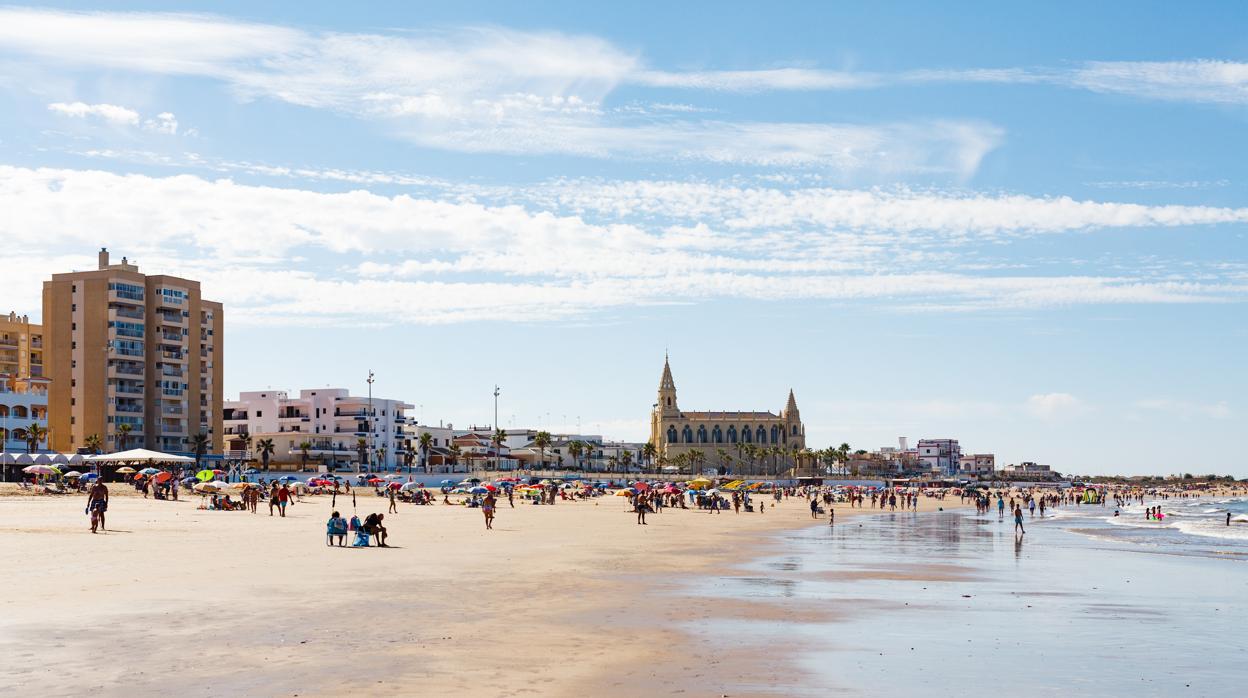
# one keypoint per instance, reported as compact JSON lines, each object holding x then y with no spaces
{"x":791,"y":407}
{"x":666,"y":382}
{"x":667,"y":390}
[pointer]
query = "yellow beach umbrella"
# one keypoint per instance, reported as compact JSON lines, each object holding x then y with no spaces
{"x":125,"y":469}
{"x":624,"y":493}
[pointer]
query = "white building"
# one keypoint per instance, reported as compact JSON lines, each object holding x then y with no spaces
{"x":979,"y":464}
{"x":439,"y":458}
{"x":330,"y":420}
{"x":1029,"y":469}
{"x":940,"y":455}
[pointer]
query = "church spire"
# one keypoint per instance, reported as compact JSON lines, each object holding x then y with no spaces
{"x":791,"y":407}
{"x":666,"y":382}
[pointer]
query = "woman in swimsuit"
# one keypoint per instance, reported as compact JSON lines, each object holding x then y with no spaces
{"x":487,"y":508}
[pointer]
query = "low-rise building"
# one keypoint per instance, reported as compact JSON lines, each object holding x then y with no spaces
{"x":340,"y":428}
{"x":1029,"y":469}
{"x":940,"y":455}
{"x":977,"y":465}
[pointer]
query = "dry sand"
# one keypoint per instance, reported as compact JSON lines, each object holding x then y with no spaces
{"x":571,"y":599}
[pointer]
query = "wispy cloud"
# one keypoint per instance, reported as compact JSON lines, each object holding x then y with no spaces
{"x":110,"y":113}
{"x":487,"y":89}
{"x":368,"y":258}
{"x":1053,"y":406}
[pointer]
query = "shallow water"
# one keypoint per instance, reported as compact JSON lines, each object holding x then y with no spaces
{"x":954,"y":604}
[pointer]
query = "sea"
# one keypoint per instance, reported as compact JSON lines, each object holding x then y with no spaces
{"x":953,"y":604}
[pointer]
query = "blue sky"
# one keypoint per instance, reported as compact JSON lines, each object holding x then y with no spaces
{"x":1025,"y":229}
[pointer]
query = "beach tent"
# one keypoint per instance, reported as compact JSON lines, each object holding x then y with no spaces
{"x":138,"y":455}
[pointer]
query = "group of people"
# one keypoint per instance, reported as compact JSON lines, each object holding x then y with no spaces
{"x":370,"y":529}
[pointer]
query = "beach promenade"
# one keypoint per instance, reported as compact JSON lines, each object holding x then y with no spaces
{"x":570,"y":599}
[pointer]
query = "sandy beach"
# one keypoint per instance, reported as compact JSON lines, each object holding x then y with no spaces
{"x":571,"y":599}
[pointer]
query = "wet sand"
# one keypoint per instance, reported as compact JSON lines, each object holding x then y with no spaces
{"x":571,"y":599}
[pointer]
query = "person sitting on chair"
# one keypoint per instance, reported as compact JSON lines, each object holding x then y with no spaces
{"x":336,"y":527}
{"x":372,"y":526}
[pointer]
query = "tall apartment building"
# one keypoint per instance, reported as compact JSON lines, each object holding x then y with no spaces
{"x":23,"y":387}
{"x":128,"y":348}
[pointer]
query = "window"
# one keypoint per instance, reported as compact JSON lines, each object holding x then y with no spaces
{"x":259,"y":413}
{"x":760,"y":435}
{"x":774,"y":435}
{"x":732,"y":434}
{"x":701,"y":433}
{"x":671,"y":435}
{"x":687,"y":434}
{"x":128,"y":291}
{"x":717,"y":435}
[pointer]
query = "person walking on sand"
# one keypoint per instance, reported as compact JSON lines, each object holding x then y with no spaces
{"x":642,"y":506}
{"x":283,"y":498}
{"x":831,"y":516}
{"x":487,"y":508}
{"x":1018,"y":520}
{"x":394,"y":508}
{"x":97,"y":504}
{"x":511,"y":497}
{"x":814,"y":508}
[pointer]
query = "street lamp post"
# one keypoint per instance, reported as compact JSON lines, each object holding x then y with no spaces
{"x":368,"y":447}
{"x":498,"y":446}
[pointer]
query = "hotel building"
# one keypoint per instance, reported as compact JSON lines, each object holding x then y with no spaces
{"x":330,"y":420}
{"x":126,"y":348}
{"x":23,"y":387}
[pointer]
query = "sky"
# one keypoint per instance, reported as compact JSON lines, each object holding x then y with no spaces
{"x":1024,"y":228}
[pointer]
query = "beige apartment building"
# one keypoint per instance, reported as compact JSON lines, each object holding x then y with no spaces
{"x":128,"y":348}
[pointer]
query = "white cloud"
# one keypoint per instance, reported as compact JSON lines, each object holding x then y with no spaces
{"x":368,"y":258}
{"x":110,"y":113}
{"x":165,"y":122}
{"x":484,"y":90}
{"x":1051,"y":406}
{"x":1195,"y":81}
{"x":756,"y":80}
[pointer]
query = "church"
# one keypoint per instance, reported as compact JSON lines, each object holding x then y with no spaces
{"x":674,"y":431}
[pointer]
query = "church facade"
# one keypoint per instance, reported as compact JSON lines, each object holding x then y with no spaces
{"x":674,"y":431}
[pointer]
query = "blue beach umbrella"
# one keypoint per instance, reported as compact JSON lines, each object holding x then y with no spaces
{"x":478,"y":490}
{"x":91,"y":476}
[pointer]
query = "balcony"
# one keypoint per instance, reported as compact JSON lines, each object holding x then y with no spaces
{"x":171,"y":337}
{"x":122,"y":312}
{"x":128,"y":389}
{"x":171,"y":319}
{"x":351,"y":413}
{"x":125,"y":297}
{"x":128,"y":409}
{"x":125,"y":369}
{"x":173,"y":356}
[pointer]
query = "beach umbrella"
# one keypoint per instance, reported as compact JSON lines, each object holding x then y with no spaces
{"x":478,"y":490}
{"x":375,"y":480}
{"x":150,"y":471}
{"x":394,"y":476}
{"x":409,"y":486}
{"x":396,"y":485}
{"x":448,"y":482}
{"x":624,"y":493}
{"x":91,"y":476}
{"x":205,"y":488}
{"x":72,"y":474}
{"x":202,"y":476}
{"x":491,"y":488}
{"x":125,"y":470}
{"x":287,"y":478}
{"x":641,"y":486}
{"x":251,"y":471}
{"x":39,"y":470}
{"x":241,"y":485}
{"x":189,"y":480}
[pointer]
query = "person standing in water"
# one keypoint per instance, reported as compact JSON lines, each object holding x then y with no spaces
{"x":1000,"y":507}
{"x":1018,"y":520}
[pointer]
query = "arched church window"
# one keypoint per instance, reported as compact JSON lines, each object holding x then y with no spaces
{"x":746,"y":435}
{"x":701,"y":433}
{"x":671,"y":435}
{"x":717,"y":435}
{"x":761,"y":434}
{"x":732,"y":433}
{"x":775,"y":436}
{"x":687,"y":434}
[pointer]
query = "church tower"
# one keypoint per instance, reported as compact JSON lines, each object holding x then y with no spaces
{"x":793,"y":422}
{"x":667,"y":392}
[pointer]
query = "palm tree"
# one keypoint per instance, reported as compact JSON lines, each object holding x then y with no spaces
{"x":426,"y":443}
{"x":696,"y":459}
{"x":497,"y":439}
{"x":575,"y":449}
{"x":93,"y":443}
{"x":265,"y":449}
{"x":542,"y":440}
{"x":304,"y":446}
{"x":381,"y":457}
{"x":844,"y":455}
{"x":361,"y":450}
{"x":33,"y":434}
{"x":626,"y":459}
{"x":123,"y":435}
{"x":612,"y":461}
{"x":455,"y":451}
{"x":199,"y":443}
{"x":649,"y":452}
